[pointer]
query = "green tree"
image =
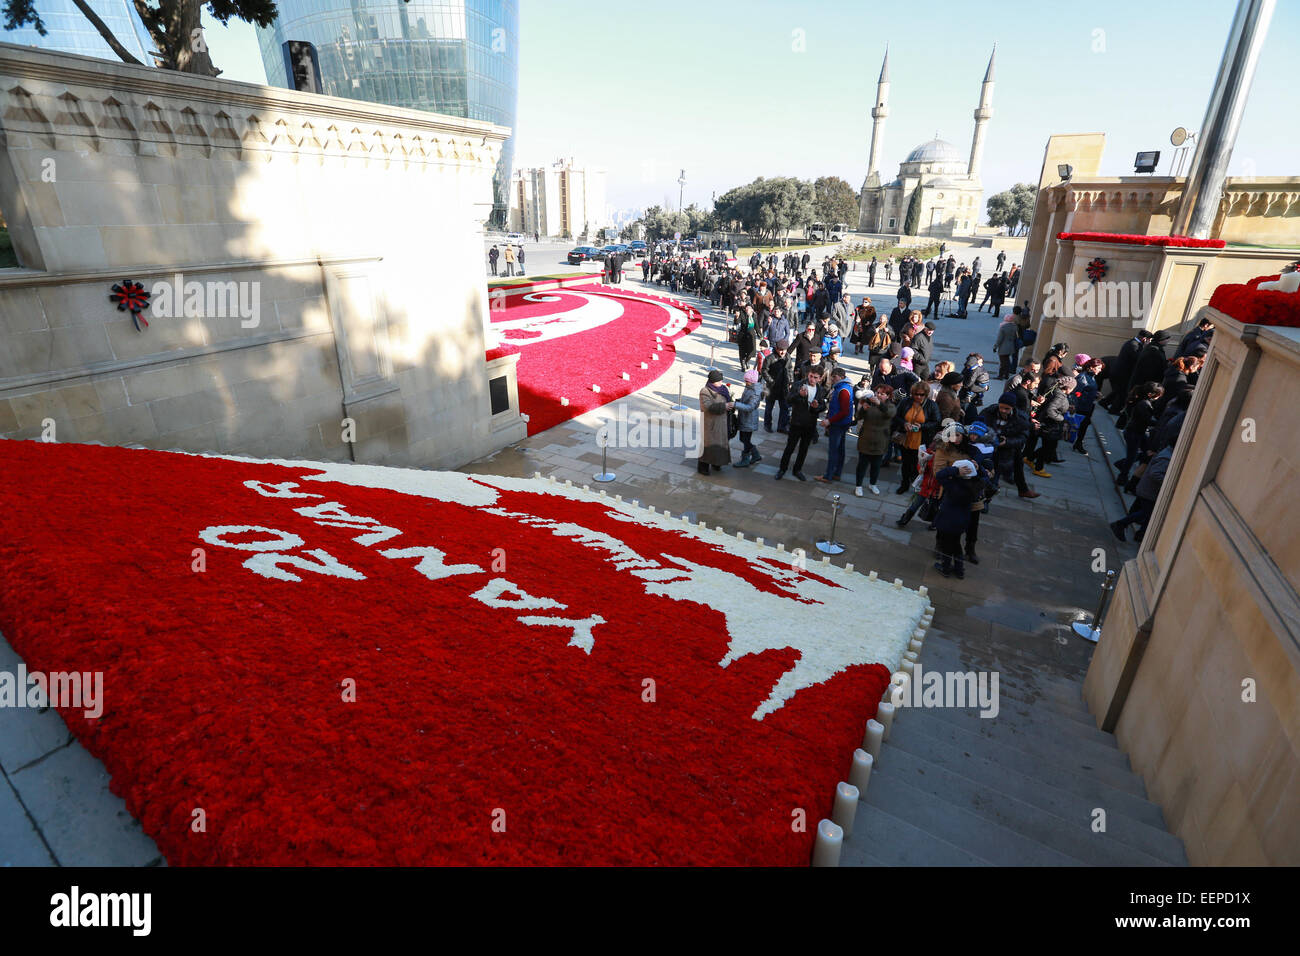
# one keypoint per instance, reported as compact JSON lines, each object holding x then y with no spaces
{"x":913,"y":219}
{"x":1014,"y":208}
{"x":173,"y":25}
{"x":836,"y":201}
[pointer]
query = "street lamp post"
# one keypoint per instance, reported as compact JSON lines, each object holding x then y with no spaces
{"x":681,"y":182}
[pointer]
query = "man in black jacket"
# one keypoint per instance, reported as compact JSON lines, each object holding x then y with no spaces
{"x":807,"y":400}
{"x":922,"y":349}
{"x":936,"y":294}
{"x":1121,"y":372}
{"x":777,"y":371}
{"x":1011,"y":426}
{"x":1151,"y":361}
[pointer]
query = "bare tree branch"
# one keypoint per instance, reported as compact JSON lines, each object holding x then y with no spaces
{"x":106,"y":33}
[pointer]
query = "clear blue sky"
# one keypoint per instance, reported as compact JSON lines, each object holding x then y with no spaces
{"x":645,"y":88}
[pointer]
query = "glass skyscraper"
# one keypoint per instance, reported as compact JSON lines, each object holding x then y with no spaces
{"x":459,"y":57}
{"x":68,"y":30}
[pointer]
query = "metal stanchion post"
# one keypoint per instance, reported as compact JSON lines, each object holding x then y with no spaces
{"x":1092,"y":632}
{"x":605,"y":473}
{"x":830,"y":545}
{"x":679,"y":407}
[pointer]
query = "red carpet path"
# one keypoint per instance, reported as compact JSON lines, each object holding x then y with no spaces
{"x":475,"y":703}
{"x":571,"y":339}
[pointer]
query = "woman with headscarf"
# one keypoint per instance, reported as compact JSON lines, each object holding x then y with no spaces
{"x":715,"y":403}
{"x":747,"y":410}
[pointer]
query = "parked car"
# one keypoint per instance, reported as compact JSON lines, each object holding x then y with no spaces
{"x":689,"y":245}
{"x":614,"y":247}
{"x":583,"y":254}
{"x":515,"y":238}
{"x":639,"y":248}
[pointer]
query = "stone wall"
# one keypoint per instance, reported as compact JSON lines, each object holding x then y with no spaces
{"x":1198,"y":668}
{"x":355,"y":228}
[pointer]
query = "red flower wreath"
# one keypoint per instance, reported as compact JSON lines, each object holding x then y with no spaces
{"x":130,"y":295}
{"x":1097,"y":269}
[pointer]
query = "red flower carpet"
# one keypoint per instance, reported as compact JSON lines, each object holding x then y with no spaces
{"x":347,"y":664}
{"x":569,"y":340}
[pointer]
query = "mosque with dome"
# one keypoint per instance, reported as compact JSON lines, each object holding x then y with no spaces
{"x":942,"y":187}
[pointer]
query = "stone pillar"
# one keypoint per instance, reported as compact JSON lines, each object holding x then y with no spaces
{"x":1218,"y":133}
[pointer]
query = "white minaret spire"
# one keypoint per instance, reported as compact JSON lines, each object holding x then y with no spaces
{"x":878,"y":114}
{"x":982,"y":115}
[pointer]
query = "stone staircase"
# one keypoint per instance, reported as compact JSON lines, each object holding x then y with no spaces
{"x":951,"y":788}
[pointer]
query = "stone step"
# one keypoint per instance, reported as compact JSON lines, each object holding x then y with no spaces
{"x":1028,"y":755}
{"x":1018,"y":662}
{"x":1042,"y":728}
{"x":1068,"y":829}
{"x":1029,"y":685}
{"x":882,"y":839}
{"x":1020,"y":702}
{"x":1046,"y":785}
{"x":956,"y":825}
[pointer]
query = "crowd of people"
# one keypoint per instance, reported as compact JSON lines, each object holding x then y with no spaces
{"x":1150,"y":392}
{"x":792,"y":321}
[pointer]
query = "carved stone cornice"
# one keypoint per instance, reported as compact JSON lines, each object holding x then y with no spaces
{"x":65,"y":101}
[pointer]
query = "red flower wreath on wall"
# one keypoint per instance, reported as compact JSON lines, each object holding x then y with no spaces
{"x":130,"y":295}
{"x":1097,"y":269}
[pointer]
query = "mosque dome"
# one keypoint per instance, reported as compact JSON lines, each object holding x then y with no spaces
{"x":935,"y":151}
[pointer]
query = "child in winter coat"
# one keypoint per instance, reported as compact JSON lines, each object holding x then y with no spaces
{"x":747,"y":412}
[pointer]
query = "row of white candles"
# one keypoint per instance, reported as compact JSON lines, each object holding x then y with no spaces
{"x":831,"y":833}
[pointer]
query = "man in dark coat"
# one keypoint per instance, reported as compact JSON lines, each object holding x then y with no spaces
{"x":922,"y":349}
{"x":1121,"y":371}
{"x":777,"y":374}
{"x":871,"y":272}
{"x":963,"y":296}
{"x":1151,"y":361}
{"x":807,"y":402}
{"x":905,"y":295}
{"x":898,"y":318}
{"x":493,"y":255}
{"x":1011,"y":426}
{"x":1203,"y":332}
{"x":936,"y":294}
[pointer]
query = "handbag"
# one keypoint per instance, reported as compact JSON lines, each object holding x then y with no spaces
{"x":733,"y":424}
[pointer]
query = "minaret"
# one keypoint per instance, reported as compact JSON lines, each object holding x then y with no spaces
{"x":878,"y":114}
{"x":982,"y":115}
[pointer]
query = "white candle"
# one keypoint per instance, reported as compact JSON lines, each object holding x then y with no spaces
{"x":860,"y":775}
{"x":898,"y":583}
{"x":780,"y":546}
{"x":918,"y":635}
{"x":911,"y":656}
{"x":872,"y":576}
{"x":740,"y":536}
{"x":907,"y":667}
{"x":826,"y":851}
{"x":849,"y":568}
{"x":914,"y":644}
{"x":885,"y":716}
{"x":846,"y":806}
{"x":652,"y":509}
{"x":874,"y":736}
{"x":826,"y":559}
{"x":759,"y":542}
{"x":923,"y":590}
{"x":537,"y":474}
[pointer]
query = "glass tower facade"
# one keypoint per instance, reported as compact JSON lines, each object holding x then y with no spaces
{"x":459,"y":57}
{"x":68,"y":30}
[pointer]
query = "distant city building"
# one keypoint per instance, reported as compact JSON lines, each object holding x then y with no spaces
{"x":456,"y":57}
{"x":562,"y":200}
{"x":951,"y":193}
{"x":68,"y":30}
